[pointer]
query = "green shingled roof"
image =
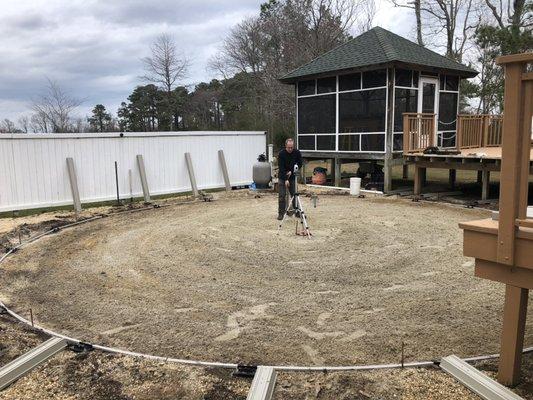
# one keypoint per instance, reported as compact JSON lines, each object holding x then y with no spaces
{"x":376,"y":46}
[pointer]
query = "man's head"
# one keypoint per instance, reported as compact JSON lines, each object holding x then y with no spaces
{"x":289,"y":145}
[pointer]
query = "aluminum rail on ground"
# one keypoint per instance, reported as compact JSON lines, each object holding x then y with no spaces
{"x":25,"y":363}
{"x":263,"y":384}
{"x":476,"y":380}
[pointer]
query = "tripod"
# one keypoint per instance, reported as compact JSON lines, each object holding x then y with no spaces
{"x":298,"y":210}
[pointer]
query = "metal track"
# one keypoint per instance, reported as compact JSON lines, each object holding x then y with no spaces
{"x":263,"y":384}
{"x":25,"y":363}
{"x":476,"y":380}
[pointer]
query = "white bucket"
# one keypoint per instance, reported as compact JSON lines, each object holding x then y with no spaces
{"x":355,"y":186}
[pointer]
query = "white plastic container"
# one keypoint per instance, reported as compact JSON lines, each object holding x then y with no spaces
{"x":355,"y":186}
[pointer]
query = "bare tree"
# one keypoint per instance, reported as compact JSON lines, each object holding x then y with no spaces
{"x":39,"y":123}
{"x":418,"y":15}
{"x":7,"y":126}
{"x":454,"y":18}
{"x":511,"y":13}
{"x":54,"y":109}
{"x":366,"y":13}
{"x":24,"y":123}
{"x":165,"y":66}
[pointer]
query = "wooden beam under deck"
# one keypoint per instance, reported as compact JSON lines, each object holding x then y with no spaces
{"x":463,"y":163}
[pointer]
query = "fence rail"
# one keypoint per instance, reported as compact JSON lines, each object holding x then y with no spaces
{"x":34,"y":172}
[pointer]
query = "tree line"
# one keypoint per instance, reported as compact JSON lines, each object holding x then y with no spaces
{"x":284,"y":35}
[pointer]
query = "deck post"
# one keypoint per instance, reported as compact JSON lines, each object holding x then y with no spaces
{"x":405,"y":172}
{"x":485,"y":184}
{"x":516,"y":145}
{"x":389,"y":142}
{"x":302,"y":173}
{"x":479,"y":177}
{"x":387,"y":175}
{"x":420,"y":173}
{"x":332,"y":170}
{"x":512,"y":338}
{"x":513,"y":200}
{"x":452,"y":177}
{"x":338,"y":172}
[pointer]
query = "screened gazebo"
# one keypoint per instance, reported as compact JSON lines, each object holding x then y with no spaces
{"x":350,"y":101}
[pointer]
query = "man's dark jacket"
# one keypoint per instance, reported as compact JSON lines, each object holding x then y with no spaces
{"x":287,"y":161}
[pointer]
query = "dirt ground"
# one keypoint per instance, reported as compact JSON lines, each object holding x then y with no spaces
{"x":214,"y":281}
{"x":208,"y":280}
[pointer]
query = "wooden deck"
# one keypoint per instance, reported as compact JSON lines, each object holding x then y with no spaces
{"x":482,"y":159}
{"x":487,"y":153}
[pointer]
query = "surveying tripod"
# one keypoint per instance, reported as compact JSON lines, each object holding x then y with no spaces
{"x":298,"y":210}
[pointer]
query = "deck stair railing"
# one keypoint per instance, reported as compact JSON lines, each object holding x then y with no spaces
{"x":418,"y":132}
{"x":473,"y":131}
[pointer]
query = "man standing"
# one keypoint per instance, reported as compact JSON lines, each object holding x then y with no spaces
{"x":287,"y":159}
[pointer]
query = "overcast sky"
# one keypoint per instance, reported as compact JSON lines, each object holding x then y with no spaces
{"x":92,"y":48}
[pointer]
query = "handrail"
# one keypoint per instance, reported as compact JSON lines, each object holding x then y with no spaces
{"x":479,"y":130}
{"x":472,"y":131}
{"x":524,"y":223}
{"x":418,"y":132}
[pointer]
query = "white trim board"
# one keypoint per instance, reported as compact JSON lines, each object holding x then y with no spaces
{"x":363,"y":191}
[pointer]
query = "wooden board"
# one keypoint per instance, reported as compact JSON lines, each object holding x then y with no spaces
{"x":519,"y":277}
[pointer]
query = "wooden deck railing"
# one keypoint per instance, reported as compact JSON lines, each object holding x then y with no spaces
{"x":493,"y":131}
{"x":473,"y":131}
{"x":418,"y":132}
{"x":479,"y":131}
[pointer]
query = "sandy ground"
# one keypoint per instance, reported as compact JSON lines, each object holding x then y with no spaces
{"x":214,"y":281}
{"x":236,"y":253}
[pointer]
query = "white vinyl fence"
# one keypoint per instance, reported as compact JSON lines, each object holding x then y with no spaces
{"x":34,"y":174}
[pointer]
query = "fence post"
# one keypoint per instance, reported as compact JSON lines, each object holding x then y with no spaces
{"x":144,"y":182}
{"x":74,"y":184}
{"x":190,"y":169}
{"x":224,"y":167}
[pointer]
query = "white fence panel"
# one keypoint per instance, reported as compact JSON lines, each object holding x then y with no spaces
{"x":33,"y":168}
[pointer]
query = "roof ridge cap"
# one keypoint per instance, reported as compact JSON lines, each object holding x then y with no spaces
{"x":385,"y":45}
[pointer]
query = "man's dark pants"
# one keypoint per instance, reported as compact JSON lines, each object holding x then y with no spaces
{"x":282,"y":200}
